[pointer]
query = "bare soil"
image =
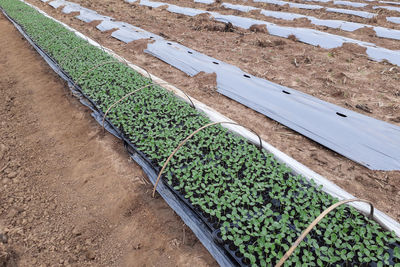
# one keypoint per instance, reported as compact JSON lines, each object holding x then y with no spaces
{"x":69,"y":195}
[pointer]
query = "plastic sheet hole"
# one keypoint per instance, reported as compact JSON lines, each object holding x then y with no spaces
{"x":136,"y":31}
{"x":286,"y":92}
{"x":169,"y":43}
{"x":341,"y":114}
{"x":151,"y":37}
{"x":247,"y":76}
{"x":190,"y":52}
{"x":216,"y":63}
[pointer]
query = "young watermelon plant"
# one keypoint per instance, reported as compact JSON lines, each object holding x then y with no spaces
{"x":256,"y":207}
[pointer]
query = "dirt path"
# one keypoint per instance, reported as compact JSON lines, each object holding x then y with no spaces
{"x":341,"y":76}
{"x":69,"y":196}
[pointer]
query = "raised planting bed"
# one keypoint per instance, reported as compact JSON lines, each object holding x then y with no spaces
{"x":254,"y":205}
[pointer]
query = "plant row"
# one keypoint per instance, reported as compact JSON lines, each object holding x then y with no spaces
{"x":257,"y":205}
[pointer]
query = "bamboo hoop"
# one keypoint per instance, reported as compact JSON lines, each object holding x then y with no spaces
{"x":316,"y":221}
{"x":102,"y":48}
{"x":131,"y":93}
{"x":52,"y":39}
{"x":79,"y":46}
{"x":87,"y":40}
{"x":151,"y":79}
{"x":70,"y":53}
{"x":187,"y":96}
{"x":105,"y":50}
{"x":190,"y":136}
{"x":122,"y":98}
{"x":95,"y":67}
{"x":123,"y":59}
{"x":57,"y":36}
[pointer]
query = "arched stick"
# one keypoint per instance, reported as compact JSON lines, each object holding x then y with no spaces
{"x":124,"y":97}
{"x":190,"y":136}
{"x":131,"y":93}
{"x":316,"y":221}
{"x":120,"y":59}
{"x":95,"y":67}
{"x":87,"y":40}
{"x":148,"y":73}
{"x":81,"y":45}
{"x":104,"y":50}
{"x":126,"y":62}
{"x":52,"y":39}
{"x":70,"y":53}
{"x":55,"y":37}
{"x":188,"y":97}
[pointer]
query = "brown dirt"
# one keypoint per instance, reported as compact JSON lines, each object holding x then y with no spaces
{"x":321,"y":13}
{"x":338,"y":76}
{"x":69,"y":195}
{"x":367,"y":35}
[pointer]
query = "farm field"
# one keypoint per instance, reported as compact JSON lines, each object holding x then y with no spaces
{"x":342,"y":76}
{"x":345,"y":76}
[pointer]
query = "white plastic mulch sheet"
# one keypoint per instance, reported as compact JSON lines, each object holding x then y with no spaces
{"x":393,"y":19}
{"x":392,"y":8}
{"x":348,"y":3}
{"x":291,"y":4}
{"x":335,"y":24}
{"x":344,"y":131}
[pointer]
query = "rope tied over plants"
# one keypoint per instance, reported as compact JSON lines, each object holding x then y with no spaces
{"x":61,"y":62}
{"x":190,"y":136}
{"x":316,"y":221}
{"x":94,"y":68}
{"x":122,"y":98}
{"x":133,"y":92}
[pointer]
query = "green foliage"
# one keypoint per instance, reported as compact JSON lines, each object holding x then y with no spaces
{"x":258,"y":205}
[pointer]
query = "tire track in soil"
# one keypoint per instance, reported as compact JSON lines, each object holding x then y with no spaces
{"x":69,"y":196}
